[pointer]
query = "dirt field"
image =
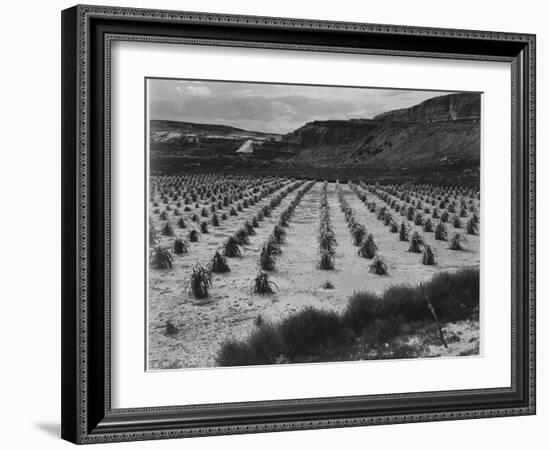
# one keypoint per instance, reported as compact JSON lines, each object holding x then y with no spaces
{"x":231,"y":308}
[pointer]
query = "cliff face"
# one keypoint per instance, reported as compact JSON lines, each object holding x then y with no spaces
{"x":437,"y":132}
{"x":438,"y":136}
{"x":446,"y":108}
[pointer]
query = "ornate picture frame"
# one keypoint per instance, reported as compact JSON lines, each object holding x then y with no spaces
{"x":88,"y":33}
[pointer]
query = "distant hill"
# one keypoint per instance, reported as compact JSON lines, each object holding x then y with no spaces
{"x":440,"y":134}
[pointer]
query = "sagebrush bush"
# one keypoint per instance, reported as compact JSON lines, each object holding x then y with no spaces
{"x":231,"y":247}
{"x":180,"y":246}
{"x":219,"y":263}
{"x":312,"y":331}
{"x":200,"y":282}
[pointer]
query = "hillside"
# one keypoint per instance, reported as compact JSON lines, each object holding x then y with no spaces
{"x":440,"y":134}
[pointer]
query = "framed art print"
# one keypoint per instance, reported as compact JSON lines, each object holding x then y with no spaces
{"x":278,"y":224}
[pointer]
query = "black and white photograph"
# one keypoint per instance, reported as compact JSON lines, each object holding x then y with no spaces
{"x":294,"y":223}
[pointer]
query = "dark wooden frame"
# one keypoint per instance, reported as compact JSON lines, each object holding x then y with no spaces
{"x":87,"y":31}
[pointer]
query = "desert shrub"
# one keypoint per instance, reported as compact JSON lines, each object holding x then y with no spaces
{"x":416,"y":243}
{"x":242,"y":236}
{"x":404,"y":232}
{"x":312,"y":331}
{"x":368,"y":247}
{"x":263,"y":285}
{"x":326,"y":261}
{"x":263,"y":346}
{"x":180,"y":246}
{"x":182,"y":223}
{"x":231,"y":247}
{"x":428,"y":257}
{"x":362,"y":309}
{"x":378,"y":267}
{"x":268,"y":257}
{"x":219,"y":264}
{"x":161,"y":258}
{"x":215,"y":220}
{"x":279,"y":234}
{"x":441,"y":232}
{"x":456,"y":241}
{"x":249,"y":228}
{"x":472,"y":227}
{"x":358,"y":233}
{"x":167,"y":230}
{"x":200,"y":282}
{"x":194,"y":235}
{"x":204,"y":227}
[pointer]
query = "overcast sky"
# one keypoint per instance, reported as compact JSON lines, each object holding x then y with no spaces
{"x":271,"y":107}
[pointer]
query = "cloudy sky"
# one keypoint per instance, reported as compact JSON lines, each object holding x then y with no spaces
{"x":271,"y":107}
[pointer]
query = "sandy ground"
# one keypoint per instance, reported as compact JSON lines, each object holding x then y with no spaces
{"x":231,"y":308}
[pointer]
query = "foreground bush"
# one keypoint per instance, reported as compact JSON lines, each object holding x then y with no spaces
{"x":375,"y":318}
